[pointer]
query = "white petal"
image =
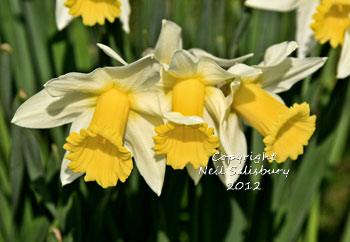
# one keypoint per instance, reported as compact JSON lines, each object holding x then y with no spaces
{"x":210,"y":120}
{"x":200,"y":54}
{"x":212,"y":73}
{"x":93,"y":82}
{"x":63,"y":18}
{"x":165,"y":101}
{"x":218,"y":108}
{"x":137,"y":75}
{"x":216,"y":104}
{"x":194,"y":173}
{"x":274,"y":5}
{"x":305,"y":35}
{"x":230,"y":132}
{"x":124,"y":15}
{"x":111,"y":53}
{"x":233,"y":88}
{"x":344,"y":61}
{"x":232,"y":135}
{"x":147,"y":102}
{"x":275,"y":54}
{"x":45,"y":111}
{"x":169,"y":41}
{"x":183,"y":65}
{"x":181,"y":119}
{"x":242,"y":70}
{"x":138,"y":136}
{"x":282,"y":77}
{"x":81,"y":122}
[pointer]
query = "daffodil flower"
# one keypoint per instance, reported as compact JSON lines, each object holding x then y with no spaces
{"x":332,"y":23}
{"x":253,"y":96}
{"x":286,"y":130}
{"x":113,"y":111}
{"x":188,"y":83}
{"x":92,"y":12}
{"x":186,"y":138}
{"x":326,"y":20}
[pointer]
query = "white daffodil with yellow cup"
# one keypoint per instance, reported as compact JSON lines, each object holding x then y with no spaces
{"x":186,"y":137}
{"x":253,"y":96}
{"x":92,"y":12}
{"x":322,"y":20}
{"x":190,"y":134}
{"x":285,"y":130}
{"x":113,"y":111}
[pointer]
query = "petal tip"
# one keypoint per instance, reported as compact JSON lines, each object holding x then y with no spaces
{"x":14,"y":120}
{"x":60,"y":26}
{"x":64,"y":183}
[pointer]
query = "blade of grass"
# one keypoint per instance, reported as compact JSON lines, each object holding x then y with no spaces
{"x":16,"y":167}
{"x":346,"y":232}
{"x":5,"y":138}
{"x":342,"y":133}
{"x":13,"y":26}
{"x":6,"y":83}
{"x":81,"y":41}
{"x":238,"y":225}
{"x":6,"y":222}
{"x":32,"y":156}
{"x":37,"y":41}
{"x":312,"y":226}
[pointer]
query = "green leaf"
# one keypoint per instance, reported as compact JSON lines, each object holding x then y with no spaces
{"x":16,"y":167}
{"x":6,"y":222}
{"x":4,"y":154}
{"x":313,"y":223}
{"x":32,"y":156}
{"x":342,"y":132}
{"x":33,"y":228}
{"x":346,"y":232}
{"x":38,"y":39}
{"x":13,"y":27}
{"x":6,"y":83}
{"x":81,"y":42}
{"x":5,"y":138}
{"x":238,"y":225}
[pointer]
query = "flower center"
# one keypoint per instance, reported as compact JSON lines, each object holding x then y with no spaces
{"x":181,"y":143}
{"x":286,"y":130}
{"x":331,"y":21}
{"x":99,"y":151}
{"x":94,"y":11}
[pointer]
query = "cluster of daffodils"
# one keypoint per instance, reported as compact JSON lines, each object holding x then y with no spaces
{"x":92,"y":12}
{"x":322,"y":20}
{"x":167,"y":109}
